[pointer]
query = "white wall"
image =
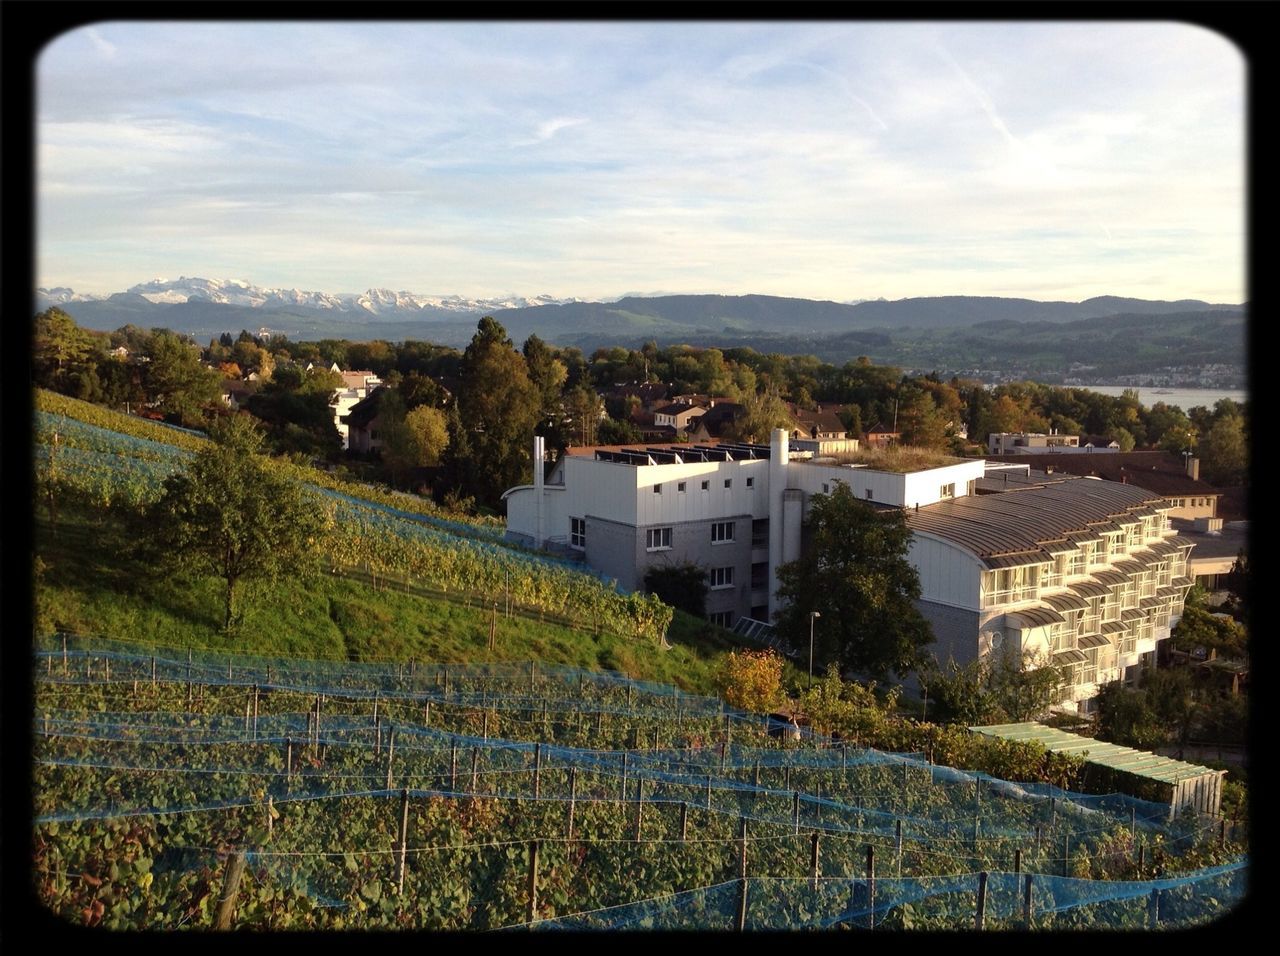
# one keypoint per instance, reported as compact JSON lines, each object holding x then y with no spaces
{"x":948,"y":573}
{"x":694,"y":504}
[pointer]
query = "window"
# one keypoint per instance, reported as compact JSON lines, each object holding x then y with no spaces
{"x":706,"y":485}
{"x":751,"y":482}
{"x":721,"y":618}
{"x":868,"y":494}
{"x":657,"y":489}
{"x":658,"y":539}
{"x":947,"y":491}
{"x":728,"y":482}
{"x":759,"y":532}
{"x":721,"y":578}
{"x":680,"y":486}
{"x":722,"y":532}
{"x":578,"y":533}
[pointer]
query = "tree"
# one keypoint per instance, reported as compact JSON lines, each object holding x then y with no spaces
{"x":761,"y":414}
{"x":232,"y":514}
{"x":498,"y":406}
{"x":996,"y":689}
{"x":176,"y":380}
{"x":855,"y":572}
{"x":59,"y":345}
{"x":752,"y":680}
{"x":1224,"y":451}
{"x":585,"y":408}
{"x":683,"y":586}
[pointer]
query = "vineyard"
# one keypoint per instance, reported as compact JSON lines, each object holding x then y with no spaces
{"x":109,"y":460}
{"x":189,"y":789}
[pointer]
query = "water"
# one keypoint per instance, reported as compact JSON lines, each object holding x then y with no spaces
{"x":1184,"y":398}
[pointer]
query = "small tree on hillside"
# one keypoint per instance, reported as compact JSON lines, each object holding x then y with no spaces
{"x":231,"y":514}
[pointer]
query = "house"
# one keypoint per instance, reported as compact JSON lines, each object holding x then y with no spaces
{"x":1098,"y":443}
{"x":1030,"y":443}
{"x":878,"y":436}
{"x":1086,"y":573}
{"x":714,"y":425}
{"x":362,"y":421}
{"x":820,"y":430}
{"x":236,"y":392}
{"x":356,"y":387}
{"x":678,"y":415}
{"x":1173,"y":477}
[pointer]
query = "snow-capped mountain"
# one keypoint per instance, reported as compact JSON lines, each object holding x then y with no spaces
{"x":239,"y":292}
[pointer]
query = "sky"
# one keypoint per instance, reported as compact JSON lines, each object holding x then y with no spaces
{"x":841,"y":160}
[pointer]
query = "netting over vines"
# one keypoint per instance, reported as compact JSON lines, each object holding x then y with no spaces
{"x":484,"y":796}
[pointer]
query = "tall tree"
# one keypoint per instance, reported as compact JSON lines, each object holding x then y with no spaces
{"x":1225,"y":452}
{"x":176,"y":380}
{"x":855,"y":573}
{"x":761,"y":414}
{"x":498,"y":406}
{"x":230,"y":513}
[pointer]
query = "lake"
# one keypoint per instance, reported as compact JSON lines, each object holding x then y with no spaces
{"x":1184,"y":398}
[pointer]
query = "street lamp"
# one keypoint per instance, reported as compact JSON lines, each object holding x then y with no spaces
{"x":812,"y":615}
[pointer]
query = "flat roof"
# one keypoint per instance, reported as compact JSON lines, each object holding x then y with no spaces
{"x":1141,"y":763}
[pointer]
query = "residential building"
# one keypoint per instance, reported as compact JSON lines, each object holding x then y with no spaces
{"x":1082,"y":572}
{"x":361,"y":423}
{"x":878,"y":436}
{"x":1030,"y":443}
{"x":356,"y":387}
{"x":1174,"y":477}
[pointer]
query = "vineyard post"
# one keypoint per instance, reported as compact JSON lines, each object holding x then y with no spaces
{"x":1133,"y":823}
{"x":817,"y":803}
{"x":46,"y":725}
{"x":1142,"y":859}
{"x":684,"y":821}
{"x":377,"y":730}
{"x":1027,"y":902}
{"x":270,"y":814}
{"x":1017,"y":862}
{"x":1037,"y":838}
{"x":64,"y":655}
{"x":533,"y":880}
{"x":795,"y":811}
{"x":255,"y":711}
{"x":391,"y":750}
{"x":630,"y":690}
{"x":426,"y":714}
{"x":228,"y":670}
{"x":814,"y":857}
{"x":475,"y":763}
{"x":288,"y":759}
{"x":756,"y":780}
{"x":724,"y":753}
{"x":639,"y":807}
{"x":493,"y":627}
{"x":544,"y":716}
{"x":1222,"y":833}
{"x":317,"y":741}
{"x":537,"y":770}
{"x":844,"y":755}
{"x":230,"y":887}
{"x":871,"y":886}
{"x":403,"y":845}
{"x":533,"y":673}
{"x":107,"y":669}
{"x":708,"y":791}
{"x":453,"y":768}
{"x":742,"y":874}
{"x":573,"y":797}
{"x":375,"y":707}
{"x":188,"y":677}
{"x":622,"y":791}
{"x":981,"y":911}
{"x":446,"y":681}
{"x":897,"y":839}
{"x":485,"y":726}
{"x":48,"y":667}
{"x":1153,"y":909}
{"x":1053,"y":812}
{"x":599,"y":721}
{"x":248,"y":710}
{"x":1066,"y":854}
{"x":786,"y":785}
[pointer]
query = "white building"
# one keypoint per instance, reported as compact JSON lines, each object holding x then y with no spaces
{"x":1082,"y":572}
{"x":356,"y":387}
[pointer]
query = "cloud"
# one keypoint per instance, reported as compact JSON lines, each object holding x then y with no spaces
{"x":552,"y":126}
{"x":108,"y":50}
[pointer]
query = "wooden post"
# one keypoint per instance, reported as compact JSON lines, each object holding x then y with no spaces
{"x":533,"y":672}
{"x":375,"y":707}
{"x":622,"y":790}
{"x":599,"y":721}
{"x":871,"y":886}
{"x":403,"y":845}
{"x":573,"y":797}
{"x":475,"y":763}
{"x":493,"y":630}
{"x":1153,"y":909}
{"x":317,"y":731}
{"x":1027,"y":902}
{"x":537,"y":770}
{"x":742,"y":848}
{"x":684,"y":821}
{"x":230,"y":887}
{"x":795,"y":811}
{"x":188,"y":676}
{"x":270,"y":814}
{"x":1133,"y":823}
{"x":708,"y":791}
{"x":1142,"y":859}
{"x":1066,"y":854}
{"x":786,"y":785}
{"x":391,"y":752}
{"x":724,"y":753}
{"x":485,"y":731}
{"x":981,"y":912}
{"x":453,"y":768}
{"x":1222,"y":833}
{"x":288,"y":757}
{"x":897,"y":839}
{"x":228,"y":670}
{"x":1037,"y":838}
{"x":64,"y":655}
{"x":639,"y":807}
{"x":377,"y":729}
{"x":533,"y":874}
{"x":813,"y":860}
{"x":630,"y":690}
{"x":446,"y":681}
{"x":255,"y":711}
{"x":248,"y":710}
{"x":756,"y":780}
{"x":1053,"y":811}
{"x":1017,"y":862}
{"x":426,"y":714}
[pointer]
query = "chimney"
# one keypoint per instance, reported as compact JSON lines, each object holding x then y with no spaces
{"x":539,"y":469}
{"x":1193,"y":468}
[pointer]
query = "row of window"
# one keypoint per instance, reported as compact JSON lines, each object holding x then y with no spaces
{"x":682,"y":486}
{"x":1189,"y":502}
{"x":656,"y":539}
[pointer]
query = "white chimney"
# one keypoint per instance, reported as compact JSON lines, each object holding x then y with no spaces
{"x":1193,"y":468}
{"x":539,"y":467}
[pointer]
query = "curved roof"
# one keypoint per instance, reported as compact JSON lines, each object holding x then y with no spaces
{"x":1027,"y":518}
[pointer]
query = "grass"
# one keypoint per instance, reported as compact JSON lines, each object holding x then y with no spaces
{"x":89,"y":582}
{"x":898,"y":458}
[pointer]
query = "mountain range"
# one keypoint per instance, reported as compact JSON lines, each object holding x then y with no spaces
{"x":940,"y":331}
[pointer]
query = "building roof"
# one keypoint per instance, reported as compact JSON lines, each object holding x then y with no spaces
{"x":718,"y":418}
{"x":1226,"y":543}
{"x":1029,"y":515}
{"x":356,"y":379}
{"x":1158,"y":471}
{"x":823,"y":419}
{"x":678,"y":408}
{"x":366,"y":410}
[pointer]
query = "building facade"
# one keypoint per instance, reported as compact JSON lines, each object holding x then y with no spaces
{"x":1084,"y":573}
